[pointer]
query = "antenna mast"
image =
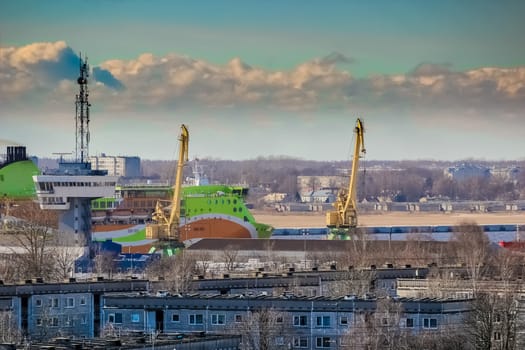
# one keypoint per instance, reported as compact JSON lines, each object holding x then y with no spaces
{"x":82,"y":114}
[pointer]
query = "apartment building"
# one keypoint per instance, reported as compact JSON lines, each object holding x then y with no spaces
{"x":44,"y":310}
{"x":291,"y":322}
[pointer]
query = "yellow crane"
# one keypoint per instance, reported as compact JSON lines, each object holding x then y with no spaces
{"x":345,"y":214}
{"x":166,"y":227}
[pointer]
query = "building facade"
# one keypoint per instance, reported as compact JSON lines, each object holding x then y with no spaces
{"x":117,"y":165}
{"x":44,"y":310}
{"x":287,"y":321}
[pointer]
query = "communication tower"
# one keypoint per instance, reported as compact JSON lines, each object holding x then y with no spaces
{"x":82,"y":114}
{"x":70,"y":188}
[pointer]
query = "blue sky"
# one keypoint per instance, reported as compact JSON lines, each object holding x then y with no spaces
{"x":432,"y":79}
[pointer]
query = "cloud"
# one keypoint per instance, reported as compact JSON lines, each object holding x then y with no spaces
{"x":45,"y":73}
{"x":336,"y":57}
{"x":36,"y":72}
{"x":431,"y":69}
{"x":105,"y":77}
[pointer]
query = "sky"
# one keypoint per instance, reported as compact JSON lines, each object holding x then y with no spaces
{"x":441,"y":80}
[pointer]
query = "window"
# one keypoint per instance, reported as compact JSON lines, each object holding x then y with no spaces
{"x":279,"y":319}
{"x":323,"y":321}
{"x":497,"y":336}
{"x":409,"y":323}
{"x":39,"y":322}
{"x":54,"y":322}
{"x":38,"y":302}
{"x":175,"y":318}
{"x":323,"y":342}
{"x":196,"y":319}
{"x":83,"y":319}
{"x":279,"y":340}
{"x":300,"y":321}
{"x":53,"y":302}
{"x":217,"y":319}
{"x":82,"y":300}
{"x":343,"y":321}
{"x":115,"y":318}
{"x":238,"y":318}
{"x":497,"y":318}
{"x":68,"y":321}
{"x":429,"y":323}
{"x":300,"y":342}
{"x":70,"y":302}
{"x":135,"y":317}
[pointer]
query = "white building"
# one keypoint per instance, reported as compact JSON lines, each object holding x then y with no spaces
{"x":116,"y":165}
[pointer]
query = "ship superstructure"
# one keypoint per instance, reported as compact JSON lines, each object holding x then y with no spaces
{"x":71,"y":188}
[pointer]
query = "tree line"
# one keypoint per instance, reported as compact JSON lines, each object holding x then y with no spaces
{"x":402,"y":181}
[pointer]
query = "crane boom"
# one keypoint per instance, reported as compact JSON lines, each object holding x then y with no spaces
{"x":174,"y":219}
{"x":167,"y":227}
{"x":345,"y":215}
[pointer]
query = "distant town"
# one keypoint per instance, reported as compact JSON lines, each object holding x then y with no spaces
{"x":279,"y":182}
{"x":356,"y":292}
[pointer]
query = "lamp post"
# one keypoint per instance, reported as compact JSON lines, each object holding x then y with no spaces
{"x":305,"y":233}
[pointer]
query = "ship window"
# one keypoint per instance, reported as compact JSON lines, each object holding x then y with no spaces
{"x":240,"y":209}
{"x":216,"y":201}
{"x":235,"y":201}
{"x":234,"y":209}
{"x":222,"y":201}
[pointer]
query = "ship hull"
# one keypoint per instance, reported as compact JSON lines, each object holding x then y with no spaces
{"x":132,"y":237}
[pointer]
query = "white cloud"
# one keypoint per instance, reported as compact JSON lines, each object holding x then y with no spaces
{"x":41,"y":73}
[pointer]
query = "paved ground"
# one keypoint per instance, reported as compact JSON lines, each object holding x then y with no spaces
{"x":278,"y":220}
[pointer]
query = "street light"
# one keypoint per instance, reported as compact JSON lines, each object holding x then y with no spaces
{"x":305,"y":233}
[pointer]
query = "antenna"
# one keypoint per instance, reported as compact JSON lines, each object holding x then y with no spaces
{"x":61,"y":154}
{"x":82,"y":114}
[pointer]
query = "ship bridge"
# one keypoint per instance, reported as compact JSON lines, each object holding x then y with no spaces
{"x":70,"y":189}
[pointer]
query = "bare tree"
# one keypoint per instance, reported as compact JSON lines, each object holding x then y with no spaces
{"x":230,"y":255}
{"x":448,"y":338}
{"x":360,"y":256}
{"x":203,"y":261}
{"x":377,"y":330}
{"x":65,"y":250}
{"x":104,"y":263}
{"x":176,"y":272}
{"x":495,"y":320}
{"x":264,"y":329}
{"x":384,"y":330}
{"x":356,"y":282}
{"x":34,"y":234}
{"x":9,"y":267}
{"x":471,"y":245}
{"x":9,"y":331}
